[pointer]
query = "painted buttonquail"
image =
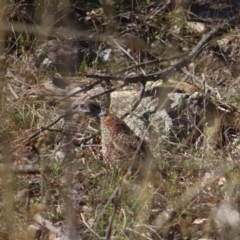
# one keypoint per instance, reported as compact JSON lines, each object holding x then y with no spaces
{"x":120,"y":146}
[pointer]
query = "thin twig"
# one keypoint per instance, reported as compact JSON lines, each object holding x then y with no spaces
{"x":12,"y":91}
{"x":68,"y":166}
{"x":22,"y":169}
{"x":49,"y":225}
{"x":108,"y":91}
{"x":141,"y":236}
{"x":116,"y":204}
{"x":117,"y":192}
{"x":42,"y":129}
{"x":197,"y":79}
{"x":135,"y":105}
{"x":175,"y":67}
{"x":123,"y":50}
{"x":85,"y":89}
{"x":83,"y":219}
{"x":149,"y":63}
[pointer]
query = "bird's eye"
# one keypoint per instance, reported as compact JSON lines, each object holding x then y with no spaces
{"x":81,"y":105}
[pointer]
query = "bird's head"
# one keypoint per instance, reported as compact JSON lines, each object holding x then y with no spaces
{"x":90,"y":108}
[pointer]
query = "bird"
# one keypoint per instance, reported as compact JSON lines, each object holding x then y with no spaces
{"x":120,"y":146}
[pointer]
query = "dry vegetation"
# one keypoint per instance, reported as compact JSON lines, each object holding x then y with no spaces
{"x":169,"y":69}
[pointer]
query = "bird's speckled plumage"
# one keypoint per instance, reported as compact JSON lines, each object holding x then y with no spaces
{"x":120,"y":146}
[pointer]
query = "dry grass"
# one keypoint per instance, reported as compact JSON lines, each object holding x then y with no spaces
{"x":196,"y":195}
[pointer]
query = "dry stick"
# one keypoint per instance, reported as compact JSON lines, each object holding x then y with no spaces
{"x":12,"y":91}
{"x":48,"y":225}
{"x":117,"y":193}
{"x":213,"y":90}
{"x":118,"y":190}
{"x":89,"y":138}
{"x":152,"y":62}
{"x":82,"y":90}
{"x":128,"y":174}
{"x":197,"y":79}
{"x":7,"y":183}
{"x":90,"y":87}
{"x":128,"y":55}
{"x":108,"y":91}
{"x":42,"y":129}
{"x":68,"y":165}
{"x":142,"y":236}
{"x":135,"y":79}
{"x":135,"y":105}
{"x":22,"y":169}
{"x":175,"y":67}
{"x":116,"y":203}
{"x":86,"y":224}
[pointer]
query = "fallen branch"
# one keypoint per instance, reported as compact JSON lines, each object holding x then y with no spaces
{"x":175,"y":67}
{"x":116,"y":204}
{"x":135,"y":105}
{"x":151,"y":62}
{"x":42,"y":129}
{"x":108,"y":91}
{"x":85,"y":89}
{"x":22,"y":169}
{"x":48,"y":225}
{"x":202,"y":82}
